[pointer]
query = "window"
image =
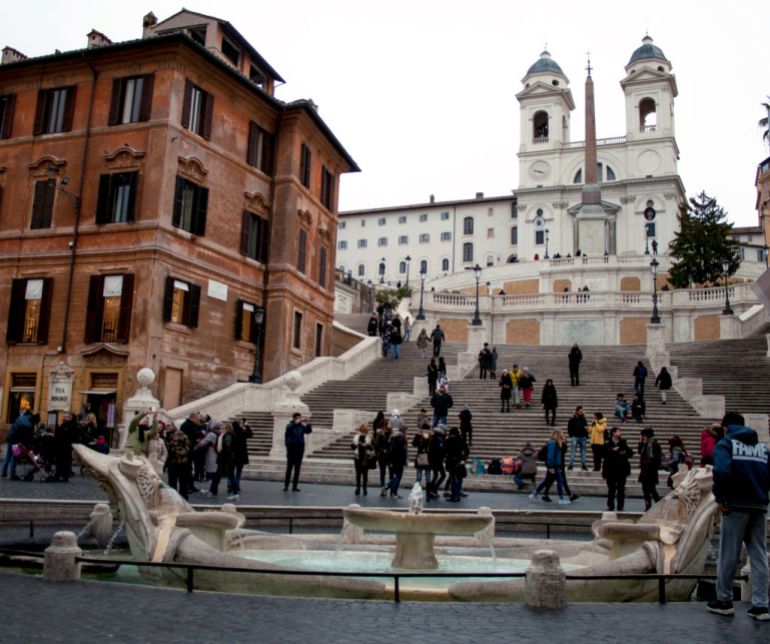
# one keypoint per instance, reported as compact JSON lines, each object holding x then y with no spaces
{"x":197,"y":110}
{"x":490,"y":260}
{"x":760,"y":255}
{"x":7,"y":105}
{"x":648,"y":117}
{"x":381,"y":221}
{"x":55,"y":108}
{"x":467,"y":252}
{"x":423,"y":218}
{"x":254,"y":237}
{"x":361,"y":270}
{"x":468,"y":226}
{"x":343,"y":225}
{"x":539,"y":237}
{"x":30,"y":311}
{"x":424,"y":238}
{"x":578,"y":176}
{"x":42,"y":206}
{"x":362,"y":243}
{"x":610,"y":174}
{"x":181,"y":302}
{"x":131,"y":99}
{"x":301,"y":250}
{"x":305,"y":163}
{"x":319,"y":339}
{"x":446,"y":236}
{"x":514,"y":235}
{"x":403,"y":240}
{"x":117,"y":197}
{"x":245,"y":325}
{"x":742,"y":252}
{"x":297,"y":331}
{"x":322,"y":261}
{"x":260,"y":152}
{"x":190,"y":206}
{"x":363,"y":223}
{"x":108,"y":317}
{"x":445,"y":264}
{"x":382,"y":241}
{"x":402,"y":219}
{"x":515,"y":208}
{"x":540,"y":127}
{"x":402,"y":267}
{"x":256,"y":76}
{"x":490,"y":233}
{"x":327,"y":189}
{"x":490,"y":212}
{"x":342,"y":245}
{"x":230,"y":52}
{"x":424,"y":266}
{"x":444,"y":216}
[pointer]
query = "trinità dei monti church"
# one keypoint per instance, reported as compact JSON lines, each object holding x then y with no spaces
{"x":587,"y":214}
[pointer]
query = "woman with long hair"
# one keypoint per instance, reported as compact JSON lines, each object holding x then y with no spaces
{"x":363,"y":451}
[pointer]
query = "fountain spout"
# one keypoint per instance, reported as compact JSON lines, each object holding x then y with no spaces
{"x":415,"y":499}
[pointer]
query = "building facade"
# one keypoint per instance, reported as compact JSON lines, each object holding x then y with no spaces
{"x":637,"y":172}
{"x":159,"y":207}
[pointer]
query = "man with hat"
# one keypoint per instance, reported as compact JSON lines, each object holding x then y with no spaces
{"x":295,"y":448}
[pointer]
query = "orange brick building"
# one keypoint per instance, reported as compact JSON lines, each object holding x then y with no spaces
{"x":156,"y":202}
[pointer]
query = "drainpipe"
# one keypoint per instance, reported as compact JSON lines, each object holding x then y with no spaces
{"x":78,"y":200}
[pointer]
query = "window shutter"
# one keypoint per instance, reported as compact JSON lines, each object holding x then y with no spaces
{"x":16,"y":311}
{"x":43,"y":203}
{"x":268,"y":153}
{"x":201,"y":206}
{"x":10,"y":104}
{"x":103,"y":214}
{"x":168,"y":299}
{"x":126,"y":302}
{"x":238,"y":318}
{"x":322,"y":267}
{"x":69,"y":108}
{"x":187,"y":104}
{"x":45,"y":311}
{"x":95,"y":309}
{"x":246,"y":232}
{"x":263,"y":240}
{"x":208,"y":112}
{"x":146,"y":103}
{"x":251,"y":151}
{"x":301,"y":250}
{"x":133,"y":183}
{"x":42,"y":99}
{"x":176,"y":218}
{"x":115,"y":102}
{"x":194,"y":305}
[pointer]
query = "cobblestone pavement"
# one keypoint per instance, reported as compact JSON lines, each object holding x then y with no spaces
{"x":89,"y":611}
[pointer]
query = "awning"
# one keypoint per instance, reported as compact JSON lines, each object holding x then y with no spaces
{"x":23,"y":390}
{"x":98,"y":392}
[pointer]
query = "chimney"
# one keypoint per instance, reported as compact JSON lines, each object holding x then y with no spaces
{"x":479,"y":195}
{"x":433,"y":198}
{"x":148,"y":22}
{"x":11,"y":55}
{"x":97,"y":39}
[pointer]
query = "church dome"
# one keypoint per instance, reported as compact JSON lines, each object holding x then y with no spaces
{"x":647,"y":51}
{"x":545,"y":64}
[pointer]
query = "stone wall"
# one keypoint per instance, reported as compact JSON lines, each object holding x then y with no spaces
{"x":454,"y":330}
{"x":522,"y":287}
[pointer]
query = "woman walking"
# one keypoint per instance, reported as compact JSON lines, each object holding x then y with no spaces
{"x":663,"y":382}
{"x":650,"y":456}
{"x":363,"y":452}
{"x":553,"y":462}
{"x":422,"y":342}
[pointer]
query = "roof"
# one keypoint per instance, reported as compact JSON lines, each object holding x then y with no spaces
{"x":545,"y":64}
{"x":425,"y":206}
{"x":647,"y":51}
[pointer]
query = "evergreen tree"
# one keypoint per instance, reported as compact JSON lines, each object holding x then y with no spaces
{"x":702,"y":243}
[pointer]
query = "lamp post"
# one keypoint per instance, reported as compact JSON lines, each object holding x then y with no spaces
{"x":546,"y":243}
{"x":259,"y":318}
{"x":382,"y":271}
{"x":370,"y":298}
{"x":655,"y":319}
{"x":725,"y":268}
{"x":476,"y":318}
{"x":407,"y":259}
{"x":421,"y":312}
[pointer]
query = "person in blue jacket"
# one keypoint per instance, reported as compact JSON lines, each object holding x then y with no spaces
{"x":553,"y":463}
{"x":741,"y":484}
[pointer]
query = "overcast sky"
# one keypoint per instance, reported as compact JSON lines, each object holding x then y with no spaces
{"x":422,"y":92}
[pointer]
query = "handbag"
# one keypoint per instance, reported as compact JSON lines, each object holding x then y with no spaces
{"x":371,"y":461}
{"x":422,"y":460}
{"x":17,"y":450}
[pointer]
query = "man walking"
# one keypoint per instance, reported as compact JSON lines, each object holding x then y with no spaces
{"x":741,"y":484}
{"x":575,"y":356}
{"x":437,"y":337}
{"x":295,"y":448}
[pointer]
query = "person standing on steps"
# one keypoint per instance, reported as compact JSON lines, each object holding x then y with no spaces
{"x":484,"y":359}
{"x":527,"y":385}
{"x":577,"y":428}
{"x":650,"y":457}
{"x":397,"y":459}
{"x":640,"y":375}
{"x":422,"y":342}
{"x":565,"y":483}
{"x":575,"y":357}
{"x":516,"y":374}
{"x":432,"y":376}
{"x":506,"y":388}
{"x":363,"y":452}
{"x":456,"y":457}
{"x":381,"y":449}
{"x":442,"y":379}
{"x":466,"y":428}
{"x":395,"y":342}
{"x":664,"y":383}
{"x":436,"y":456}
{"x":741,"y":480}
{"x":598,"y":439}
{"x":616,"y":469}
{"x":441,"y":403}
{"x":294,"y":438}
{"x":549,"y":401}
{"x":437,"y":337}
{"x":493,"y":363}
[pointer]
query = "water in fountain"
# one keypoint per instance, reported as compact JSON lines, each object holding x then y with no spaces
{"x":86,"y":529}
{"x":114,"y":536}
{"x":415,"y":499}
{"x":346,"y":528}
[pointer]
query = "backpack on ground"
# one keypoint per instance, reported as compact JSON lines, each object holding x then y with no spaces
{"x":495,"y":466}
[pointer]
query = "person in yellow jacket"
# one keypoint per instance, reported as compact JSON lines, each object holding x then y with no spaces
{"x":515,"y":373}
{"x":598,"y":439}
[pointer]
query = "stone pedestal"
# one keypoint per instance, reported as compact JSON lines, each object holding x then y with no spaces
{"x":546,"y":583}
{"x":59,"y":563}
{"x":415,"y":551}
{"x":477,"y":336}
{"x":656,"y":339}
{"x":290,"y":403}
{"x":729,"y":327}
{"x":141,"y":401}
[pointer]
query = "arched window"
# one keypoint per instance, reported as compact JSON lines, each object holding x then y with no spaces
{"x":490,"y":260}
{"x":445,"y":264}
{"x":512,"y":259}
{"x":578,"y":176}
{"x":423,"y":265}
{"x":361,"y":270}
{"x":603,"y":173}
{"x":648,"y":116}
{"x":610,"y":174}
{"x":402,"y":267}
{"x":468,"y":226}
{"x":540,"y":127}
{"x":467,"y":252}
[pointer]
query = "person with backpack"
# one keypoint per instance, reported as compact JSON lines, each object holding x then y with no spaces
{"x":650,"y":456}
{"x":397,"y":460}
{"x":616,"y":469}
{"x":441,"y":403}
{"x":598,"y":439}
{"x":577,"y":429}
{"x":363,"y":452}
{"x":549,"y":401}
{"x":664,"y":383}
{"x":437,"y":338}
{"x":395,"y":341}
{"x":552,"y":453}
{"x":640,"y":375}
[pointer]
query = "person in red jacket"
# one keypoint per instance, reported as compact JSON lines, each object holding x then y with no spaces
{"x":709,"y":437}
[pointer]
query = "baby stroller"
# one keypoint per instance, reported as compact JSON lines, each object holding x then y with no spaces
{"x":30,"y":462}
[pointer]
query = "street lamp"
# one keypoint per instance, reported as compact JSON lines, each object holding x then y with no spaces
{"x":382,"y":271}
{"x":421,"y":312}
{"x":725,"y":268}
{"x":655,"y":319}
{"x":370,"y":298}
{"x":407,"y":259}
{"x":259,"y":318}
{"x":546,"y":243}
{"x":476,"y":318}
